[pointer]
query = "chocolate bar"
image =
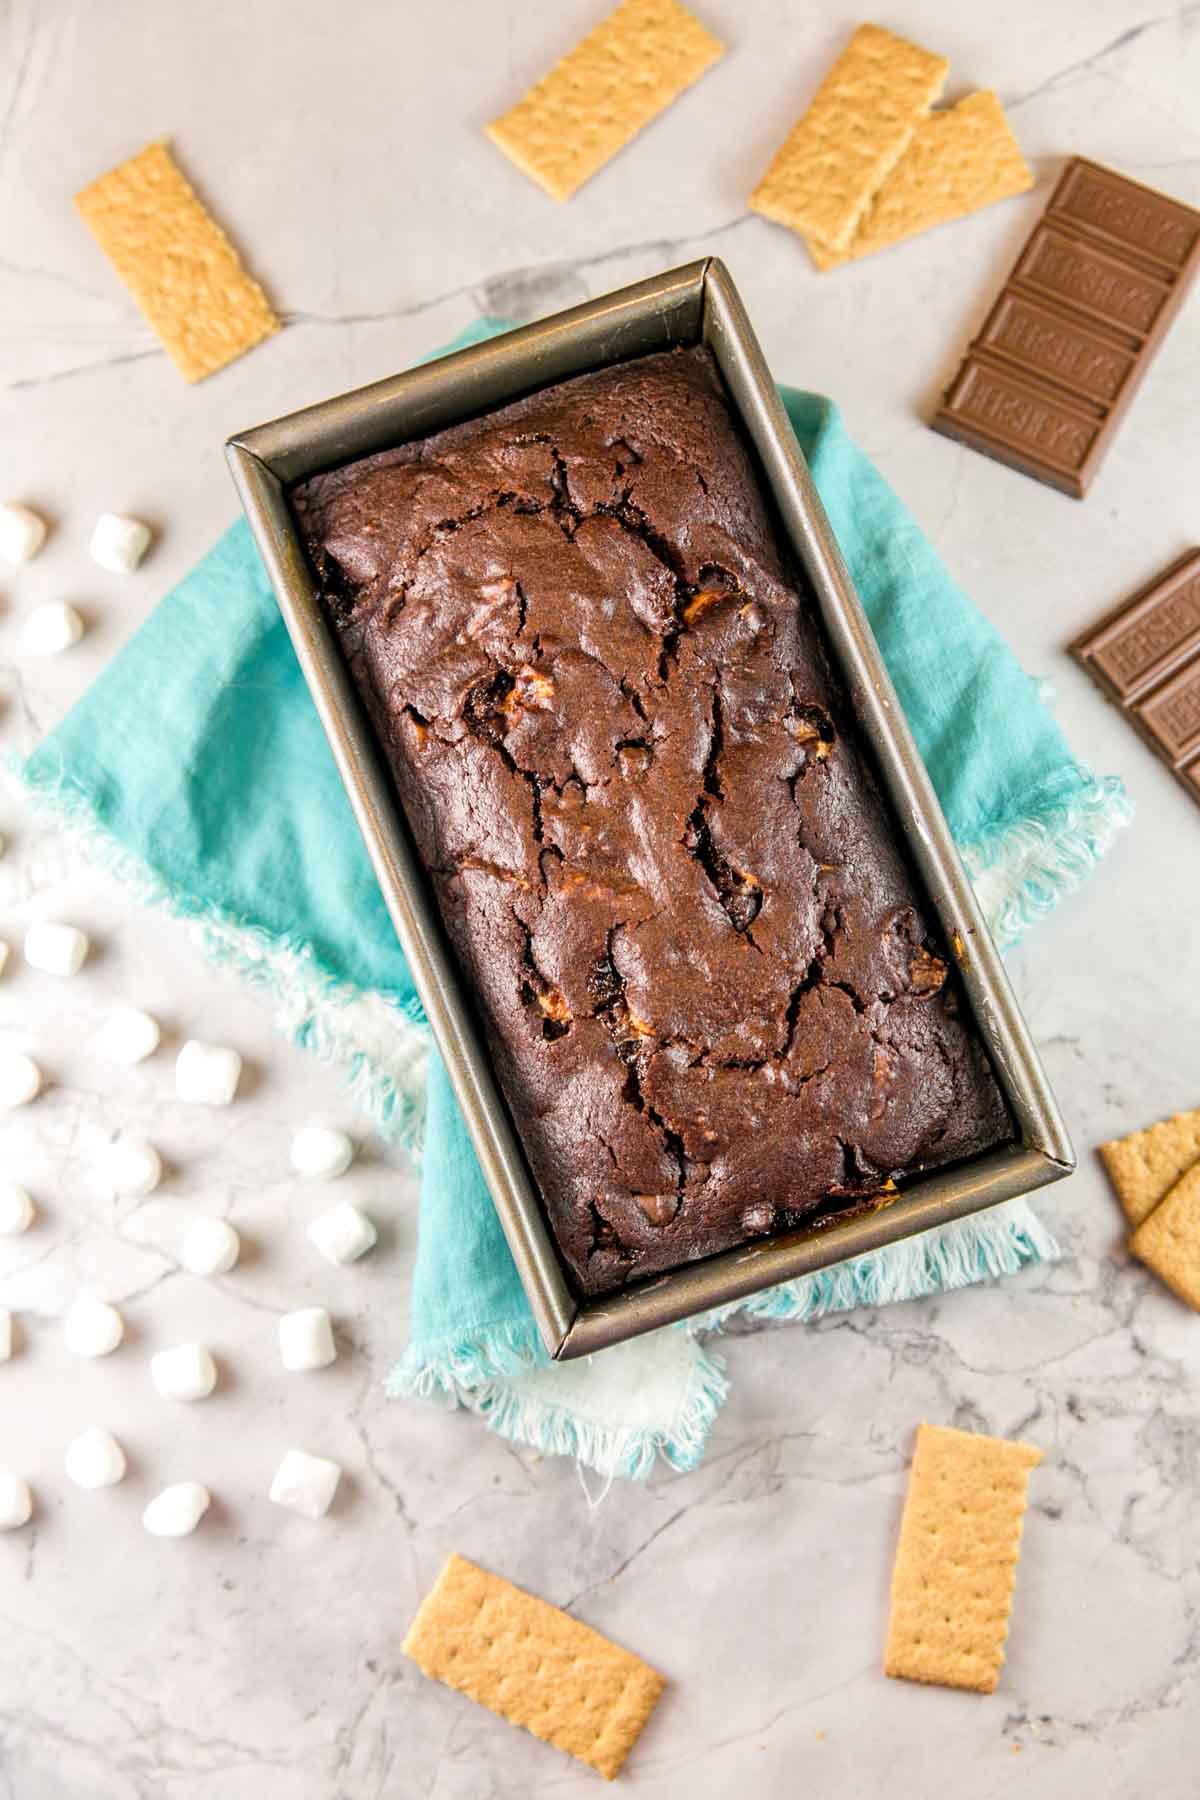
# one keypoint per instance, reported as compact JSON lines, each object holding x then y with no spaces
{"x":1146,"y":657}
{"x":1046,"y":383}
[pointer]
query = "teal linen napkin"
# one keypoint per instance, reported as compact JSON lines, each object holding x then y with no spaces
{"x":198,"y":769}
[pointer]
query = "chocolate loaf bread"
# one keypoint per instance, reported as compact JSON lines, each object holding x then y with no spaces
{"x":712,"y":993}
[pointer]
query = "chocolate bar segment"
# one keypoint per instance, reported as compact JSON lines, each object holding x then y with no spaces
{"x":1045,"y":384}
{"x":1022,"y":421}
{"x":1089,"y":283}
{"x":1034,"y":337}
{"x":1146,"y":657}
{"x":1152,"y":634}
{"x":1131,"y":217}
{"x":1172,"y":716}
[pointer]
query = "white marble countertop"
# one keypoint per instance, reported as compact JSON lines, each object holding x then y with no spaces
{"x":260,"y":1659}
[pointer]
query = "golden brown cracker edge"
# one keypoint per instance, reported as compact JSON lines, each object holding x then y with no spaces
{"x":957,"y":162}
{"x":603,"y":92}
{"x":177,"y":263}
{"x":1168,"y":1239}
{"x":956,"y":1559}
{"x":533,"y":1665}
{"x":835,"y":159}
{"x":1144,"y":1165}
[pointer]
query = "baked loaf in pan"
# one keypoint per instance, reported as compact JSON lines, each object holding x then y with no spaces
{"x":710,"y":986}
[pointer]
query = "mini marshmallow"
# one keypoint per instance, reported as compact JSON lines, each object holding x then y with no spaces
{"x":6,"y":1334}
{"x":177,"y":1511}
{"x":95,"y":1459}
{"x":320,"y":1154}
{"x":130,"y":1036}
{"x":92,"y":1327}
{"x":342,"y":1234}
{"x":211,"y":1247}
{"x":305,"y":1484}
{"x":20,"y":1078}
{"x":16,"y":1503}
{"x":17,"y":1211}
{"x":207,"y":1074}
{"x":55,"y":949}
{"x":22,"y":532}
{"x":118,"y":543}
{"x":133,"y":1167}
{"x":185,"y":1372}
{"x":306,"y":1339}
{"x":52,"y":628}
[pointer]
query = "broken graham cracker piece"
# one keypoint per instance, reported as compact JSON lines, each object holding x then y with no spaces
{"x":533,"y":1665}
{"x":622,"y":75}
{"x":832,"y":164}
{"x":1144,"y":1166}
{"x":957,"y":1558}
{"x":957,"y":162}
{"x":185,"y":275}
{"x":1168,"y":1239}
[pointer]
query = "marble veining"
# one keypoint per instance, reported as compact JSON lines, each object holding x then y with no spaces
{"x":260,"y":1659}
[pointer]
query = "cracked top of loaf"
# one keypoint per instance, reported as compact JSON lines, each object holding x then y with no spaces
{"x":712,"y":992}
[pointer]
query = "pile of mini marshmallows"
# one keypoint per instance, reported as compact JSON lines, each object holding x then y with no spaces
{"x":118,"y":544}
{"x":205,"y":1075}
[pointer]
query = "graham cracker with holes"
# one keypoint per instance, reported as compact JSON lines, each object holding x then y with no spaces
{"x":1168,"y":1239}
{"x":1146,"y":1164}
{"x":956,"y":1561}
{"x":957,"y":162}
{"x":533,"y":1665}
{"x":177,"y":263}
{"x":622,"y":75}
{"x":835,"y":160}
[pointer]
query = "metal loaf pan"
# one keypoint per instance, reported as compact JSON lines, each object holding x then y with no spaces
{"x":696,"y":303}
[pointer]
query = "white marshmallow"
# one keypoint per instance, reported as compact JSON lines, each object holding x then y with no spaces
{"x":185,"y":1372}
{"x":17,"y":1211}
{"x":55,"y":949}
{"x":177,"y":1510}
{"x":119,"y":543}
{"x":6,"y":1334}
{"x":16,"y":1503}
{"x":3,"y":954}
{"x":20,"y":1078}
{"x":305,"y":1484}
{"x":211,"y":1247}
{"x":320,"y":1154}
{"x":52,"y":628}
{"x":207,"y":1074}
{"x":306,"y":1339}
{"x":22,"y":532}
{"x":95,"y":1459}
{"x":342,"y":1234}
{"x":92,"y":1327}
{"x":133,"y":1166}
{"x":130,"y":1036}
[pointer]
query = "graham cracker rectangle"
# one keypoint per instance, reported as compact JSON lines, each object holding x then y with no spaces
{"x":185,"y":275}
{"x":1146,"y":1164}
{"x":622,"y":75}
{"x":956,"y":1561}
{"x":836,"y":158}
{"x":533,"y":1665}
{"x":1168,"y":1239}
{"x":957,"y":162}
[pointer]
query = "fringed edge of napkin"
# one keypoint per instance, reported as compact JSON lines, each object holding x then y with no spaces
{"x":984,"y":1246}
{"x":496,"y":1376}
{"x":1021,"y":873}
{"x":379,"y":1049}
